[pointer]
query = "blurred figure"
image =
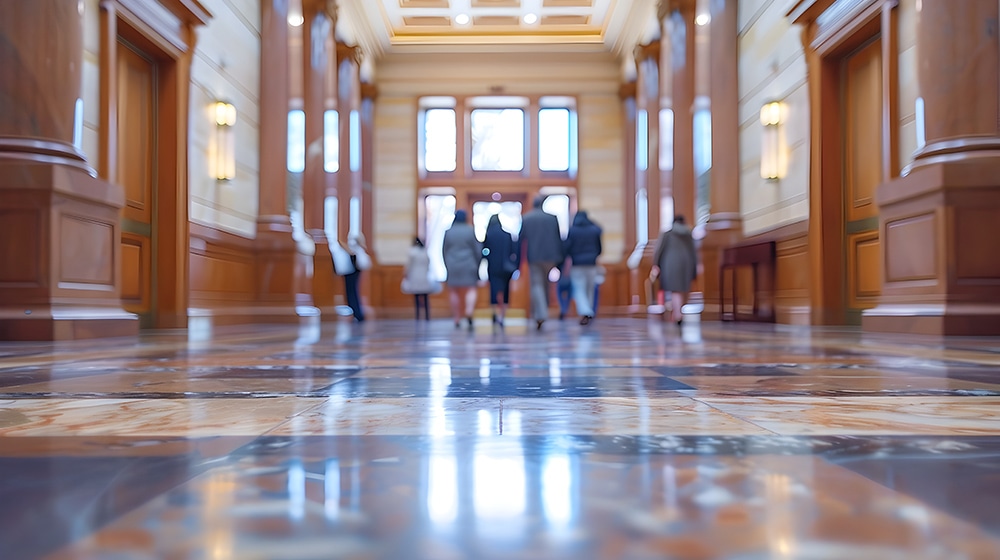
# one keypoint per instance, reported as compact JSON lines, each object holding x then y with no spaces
{"x":583,"y":246}
{"x":416,"y":278}
{"x":564,"y":289}
{"x":543,"y":246}
{"x":676,"y":262}
{"x":462,"y":254}
{"x":502,"y":261}
{"x":360,"y":261}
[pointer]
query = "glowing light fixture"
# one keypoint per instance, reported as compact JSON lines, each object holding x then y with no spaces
{"x":773,"y":160}
{"x":702,"y":19}
{"x":462,"y":19}
{"x":225,"y":146}
{"x":530,"y":18}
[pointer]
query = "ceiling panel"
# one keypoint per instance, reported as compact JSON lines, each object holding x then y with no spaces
{"x":390,"y":25}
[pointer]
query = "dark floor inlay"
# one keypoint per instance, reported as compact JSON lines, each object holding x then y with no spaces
{"x":497,"y":387}
{"x":754,"y":370}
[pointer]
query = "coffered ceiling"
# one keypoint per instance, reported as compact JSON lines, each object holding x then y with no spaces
{"x":497,"y":25}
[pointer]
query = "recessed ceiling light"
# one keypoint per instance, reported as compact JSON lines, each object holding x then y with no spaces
{"x":295,"y":20}
{"x":702,"y":19}
{"x":530,"y":18}
{"x":462,"y":19}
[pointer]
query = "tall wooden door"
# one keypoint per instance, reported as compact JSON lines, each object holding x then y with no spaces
{"x":137,"y":76}
{"x":863,"y":112}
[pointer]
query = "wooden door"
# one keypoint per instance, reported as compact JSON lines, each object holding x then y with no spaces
{"x":863,"y":115}
{"x":137,"y":75}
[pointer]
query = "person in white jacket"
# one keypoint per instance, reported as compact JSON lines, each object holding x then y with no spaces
{"x":416,"y":278}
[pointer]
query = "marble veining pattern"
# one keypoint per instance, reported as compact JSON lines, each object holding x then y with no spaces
{"x":627,"y":439}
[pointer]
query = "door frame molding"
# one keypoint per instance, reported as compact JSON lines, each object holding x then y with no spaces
{"x":831,"y":29}
{"x":165,"y":30}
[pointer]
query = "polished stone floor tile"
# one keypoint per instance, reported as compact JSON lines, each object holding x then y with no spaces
{"x":835,"y":386}
{"x":137,"y":417}
{"x":436,"y":416}
{"x":866,"y":415}
{"x":625,"y":416}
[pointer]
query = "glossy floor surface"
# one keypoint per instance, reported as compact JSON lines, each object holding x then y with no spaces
{"x":624,"y":439}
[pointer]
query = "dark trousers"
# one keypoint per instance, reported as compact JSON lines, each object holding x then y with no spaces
{"x":353,"y":300}
{"x":417,"y":299}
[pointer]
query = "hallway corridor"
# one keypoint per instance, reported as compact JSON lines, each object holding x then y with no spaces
{"x":626,"y":439}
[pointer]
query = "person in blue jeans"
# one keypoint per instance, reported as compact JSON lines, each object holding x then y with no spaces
{"x":582,"y":247}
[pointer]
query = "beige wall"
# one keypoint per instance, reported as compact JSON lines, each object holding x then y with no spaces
{"x":772,"y":67}
{"x":907,"y":19}
{"x":401,"y":79}
{"x":226,"y":65}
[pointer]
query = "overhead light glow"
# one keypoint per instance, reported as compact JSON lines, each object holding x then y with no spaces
{"x":462,"y":19}
{"x":530,"y":18}
{"x":702,"y":19}
{"x":295,"y":20}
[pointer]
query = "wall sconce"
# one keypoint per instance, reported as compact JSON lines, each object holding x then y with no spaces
{"x":225,"y":146}
{"x":773,"y":160}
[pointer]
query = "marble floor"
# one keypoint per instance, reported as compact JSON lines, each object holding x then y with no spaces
{"x":624,"y":439}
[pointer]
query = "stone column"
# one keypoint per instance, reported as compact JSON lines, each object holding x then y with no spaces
{"x":677,"y":21}
{"x":725,"y":222}
{"x":59,"y":232}
{"x":939,"y":222}
{"x":280,"y":266}
{"x":317,"y":33}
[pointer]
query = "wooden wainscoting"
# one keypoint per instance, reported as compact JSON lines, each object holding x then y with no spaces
{"x":791,"y":297}
{"x":223,"y":276}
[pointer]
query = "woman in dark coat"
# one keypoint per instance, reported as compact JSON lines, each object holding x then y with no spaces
{"x":502,"y":259}
{"x":462,"y":254}
{"x":676,"y":262}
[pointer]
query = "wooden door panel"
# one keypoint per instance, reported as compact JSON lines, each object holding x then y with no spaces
{"x":137,"y":77}
{"x":136,"y":273}
{"x":863,"y":110}
{"x":863,"y":121}
{"x":864,"y":270}
{"x":136,"y":100}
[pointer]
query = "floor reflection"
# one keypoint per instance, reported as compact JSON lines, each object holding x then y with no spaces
{"x":625,"y":439}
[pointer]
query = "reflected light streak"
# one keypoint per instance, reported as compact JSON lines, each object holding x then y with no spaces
{"x":331,"y":490}
{"x":442,"y":490}
{"x":485,"y":420}
{"x":484,"y":371}
{"x":296,"y":490}
{"x":557,"y":485}
{"x":670,"y":487}
{"x":499,"y":487}
{"x":555,"y":372}
{"x":440,"y":374}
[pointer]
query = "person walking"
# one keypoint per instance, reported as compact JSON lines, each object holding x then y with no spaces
{"x":502,"y":260}
{"x":675,"y":261}
{"x":462,"y":254}
{"x":583,"y":246}
{"x":543,"y":248}
{"x":359,"y":261}
{"x":416,"y":278}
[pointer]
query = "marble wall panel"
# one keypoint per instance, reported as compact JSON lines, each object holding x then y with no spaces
{"x":226,"y":66}
{"x":772,"y":67}
{"x":395,"y":177}
{"x":602,"y":169}
{"x":908,"y":90}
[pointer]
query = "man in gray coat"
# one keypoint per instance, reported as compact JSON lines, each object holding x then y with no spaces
{"x":544,"y":248}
